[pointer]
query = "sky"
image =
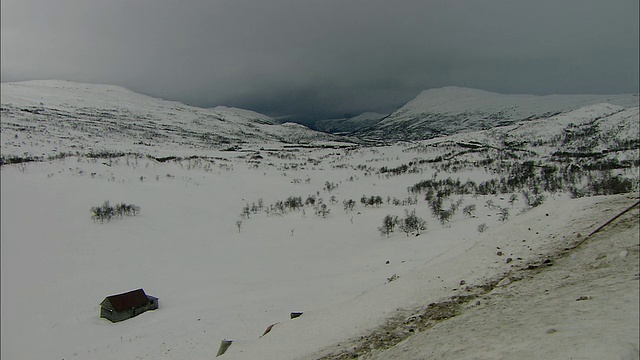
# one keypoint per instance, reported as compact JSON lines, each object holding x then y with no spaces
{"x":314,"y":59}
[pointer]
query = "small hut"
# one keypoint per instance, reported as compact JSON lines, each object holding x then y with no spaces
{"x":127,"y":305}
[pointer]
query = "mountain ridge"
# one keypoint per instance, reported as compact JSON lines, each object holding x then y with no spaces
{"x":59,"y":109}
{"x":47,"y":117}
{"x":350,"y":124}
{"x":453,"y":109}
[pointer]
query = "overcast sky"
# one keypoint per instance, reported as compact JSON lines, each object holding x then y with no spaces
{"x":324,"y":58}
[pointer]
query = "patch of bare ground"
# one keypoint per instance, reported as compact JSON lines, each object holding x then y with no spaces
{"x":402,"y":326}
{"x":534,"y":309}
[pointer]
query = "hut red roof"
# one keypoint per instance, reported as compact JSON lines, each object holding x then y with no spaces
{"x":133,"y":298}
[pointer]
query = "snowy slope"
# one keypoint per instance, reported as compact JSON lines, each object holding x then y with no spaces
{"x":42,"y":118}
{"x":602,"y":130}
{"x":393,"y":309}
{"x":452,"y":109}
{"x":349,"y":125}
{"x":574,"y":309}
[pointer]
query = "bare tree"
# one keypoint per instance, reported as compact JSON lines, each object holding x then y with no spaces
{"x":469,"y":210}
{"x":503,"y":214}
{"x":388,"y":225}
{"x":412,"y":223}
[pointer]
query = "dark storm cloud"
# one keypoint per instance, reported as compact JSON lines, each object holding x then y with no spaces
{"x":324,"y":57}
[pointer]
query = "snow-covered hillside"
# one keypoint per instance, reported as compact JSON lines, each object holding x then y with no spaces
{"x":349,"y":125}
{"x":450,"y":110}
{"x":45,"y":118}
{"x":601,"y":131}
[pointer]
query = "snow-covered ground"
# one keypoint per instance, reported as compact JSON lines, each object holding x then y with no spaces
{"x":583,"y":306}
{"x":491,"y":327}
{"x":185,"y":248}
{"x":215,"y":282}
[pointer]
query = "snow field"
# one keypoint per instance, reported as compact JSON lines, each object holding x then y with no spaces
{"x":185,"y":248}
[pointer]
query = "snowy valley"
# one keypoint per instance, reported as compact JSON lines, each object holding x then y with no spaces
{"x":243,"y":221}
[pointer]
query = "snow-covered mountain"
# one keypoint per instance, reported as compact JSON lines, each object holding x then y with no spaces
{"x":40,"y":118}
{"x":451,"y":110}
{"x":349,"y":125}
